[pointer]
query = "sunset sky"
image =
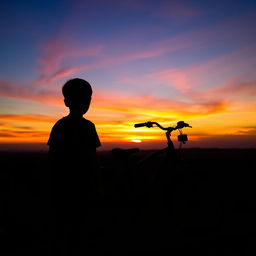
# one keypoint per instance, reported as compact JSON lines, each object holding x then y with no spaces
{"x":147,"y":60}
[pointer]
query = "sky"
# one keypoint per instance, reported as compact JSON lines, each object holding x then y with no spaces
{"x":147,"y":60}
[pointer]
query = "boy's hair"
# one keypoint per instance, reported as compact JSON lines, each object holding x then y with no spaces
{"x":76,"y":87}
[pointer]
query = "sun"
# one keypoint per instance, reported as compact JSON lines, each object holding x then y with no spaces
{"x":136,"y":141}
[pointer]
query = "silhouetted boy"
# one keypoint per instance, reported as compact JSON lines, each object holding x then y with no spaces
{"x":72,"y":148}
{"x":74,"y":139}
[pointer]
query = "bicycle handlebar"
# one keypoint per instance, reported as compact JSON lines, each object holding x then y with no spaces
{"x":180,"y":125}
{"x":147,"y":124}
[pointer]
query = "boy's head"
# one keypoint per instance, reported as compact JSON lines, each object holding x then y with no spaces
{"x":77,"y":95}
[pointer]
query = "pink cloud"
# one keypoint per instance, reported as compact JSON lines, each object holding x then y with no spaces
{"x":19,"y":91}
{"x":53,"y":62}
{"x":195,"y":77}
{"x":173,"y":78}
{"x":226,"y":64}
{"x":55,"y":53}
{"x":105,"y":61}
{"x":234,"y":88}
{"x":140,"y":105}
{"x":60,"y":73}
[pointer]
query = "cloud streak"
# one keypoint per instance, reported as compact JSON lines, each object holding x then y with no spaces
{"x":11,"y":132}
{"x":53,"y":69}
{"x":28,"y":92}
{"x":236,"y":88}
{"x":26,"y":118}
{"x":55,"y":53}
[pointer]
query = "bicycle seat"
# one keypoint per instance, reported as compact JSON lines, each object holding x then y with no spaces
{"x":120,"y":152}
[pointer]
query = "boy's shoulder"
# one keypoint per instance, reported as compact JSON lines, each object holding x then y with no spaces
{"x":86,"y":121}
{"x":67,"y":121}
{"x":60,"y":122}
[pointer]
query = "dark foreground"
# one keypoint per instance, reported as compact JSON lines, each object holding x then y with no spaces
{"x":209,"y":207}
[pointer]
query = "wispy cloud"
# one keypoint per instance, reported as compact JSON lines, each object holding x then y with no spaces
{"x":236,"y":88}
{"x":172,"y":77}
{"x":52,"y":66}
{"x":158,"y":107}
{"x":53,"y":63}
{"x":247,"y":131}
{"x":10,"y":131}
{"x":28,"y":92}
{"x":26,"y":118}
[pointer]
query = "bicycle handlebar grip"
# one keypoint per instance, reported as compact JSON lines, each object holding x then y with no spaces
{"x":142,"y":124}
{"x":182,"y":124}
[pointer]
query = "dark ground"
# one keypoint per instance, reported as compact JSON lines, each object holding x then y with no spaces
{"x":209,"y":207}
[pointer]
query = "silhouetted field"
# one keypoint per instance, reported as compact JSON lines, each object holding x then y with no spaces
{"x":208,"y":205}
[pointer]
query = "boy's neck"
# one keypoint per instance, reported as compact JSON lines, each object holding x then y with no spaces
{"x":75,"y":115}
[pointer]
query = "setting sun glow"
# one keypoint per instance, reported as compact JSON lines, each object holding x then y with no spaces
{"x":136,"y":141}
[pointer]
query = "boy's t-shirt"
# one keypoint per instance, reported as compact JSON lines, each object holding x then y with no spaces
{"x":73,"y":137}
{"x":72,"y":146}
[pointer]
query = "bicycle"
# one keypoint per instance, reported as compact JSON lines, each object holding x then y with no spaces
{"x":140,"y":197}
{"x":146,"y":176}
{"x":170,"y":151}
